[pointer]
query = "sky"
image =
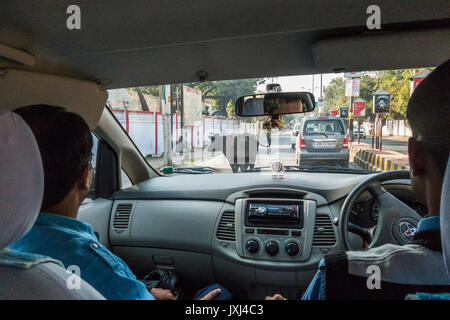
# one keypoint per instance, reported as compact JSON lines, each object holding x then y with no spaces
{"x":303,"y":83}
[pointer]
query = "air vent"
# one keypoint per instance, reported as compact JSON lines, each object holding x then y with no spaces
{"x":122,"y":215}
{"x":323,"y":231}
{"x":226,"y":229}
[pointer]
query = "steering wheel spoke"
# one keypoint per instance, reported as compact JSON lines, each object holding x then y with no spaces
{"x":376,"y":189}
{"x":364,"y":233}
{"x":396,"y":223}
{"x":391,"y":213}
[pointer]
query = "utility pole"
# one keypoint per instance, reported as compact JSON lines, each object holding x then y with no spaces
{"x":320,"y":84}
{"x":181,"y":118}
{"x":167,"y":125}
{"x":350,"y":118}
{"x":377,"y":134}
{"x":372,"y":131}
{"x":381,"y":132}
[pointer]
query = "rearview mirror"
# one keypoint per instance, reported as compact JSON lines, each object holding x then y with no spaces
{"x":274,"y":104}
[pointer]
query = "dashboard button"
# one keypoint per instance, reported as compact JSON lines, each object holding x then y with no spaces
{"x":249,"y":230}
{"x":272,"y":248}
{"x":252,"y":246}
{"x":292,"y":248}
{"x":296,"y":233}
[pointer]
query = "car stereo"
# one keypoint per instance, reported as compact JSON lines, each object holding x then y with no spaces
{"x":274,"y":214}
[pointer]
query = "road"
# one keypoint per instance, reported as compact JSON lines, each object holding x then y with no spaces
{"x":280,"y":150}
{"x":397,"y":144}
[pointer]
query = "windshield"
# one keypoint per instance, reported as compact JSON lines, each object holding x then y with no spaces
{"x":193,"y":128}
{"x":323,"y":126}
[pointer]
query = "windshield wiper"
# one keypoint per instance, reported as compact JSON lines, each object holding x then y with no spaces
{"x":190,"y":170}
{"x":315,"y":168}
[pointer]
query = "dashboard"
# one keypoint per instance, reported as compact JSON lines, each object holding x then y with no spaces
{"x":252,"y":233}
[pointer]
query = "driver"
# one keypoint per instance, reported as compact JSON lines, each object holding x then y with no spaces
{"x":392,"y":271}
{"x":65,"y":143}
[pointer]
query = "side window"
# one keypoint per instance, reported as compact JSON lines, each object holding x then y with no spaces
{"x":93,"y":192}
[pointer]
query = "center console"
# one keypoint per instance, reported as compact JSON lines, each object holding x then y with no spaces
{"x":274,"y":229}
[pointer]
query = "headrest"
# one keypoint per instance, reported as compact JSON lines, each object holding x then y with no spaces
{"x":21,"y":178}
{"x":445,"y":217}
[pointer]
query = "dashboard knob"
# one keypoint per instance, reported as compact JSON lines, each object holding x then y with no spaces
{"x":252,"y":246}
{"x":272,"y":248}
{"x":292,"y":248}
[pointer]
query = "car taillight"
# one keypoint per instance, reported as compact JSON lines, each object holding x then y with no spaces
{"x":345,"y":144}
{"x":302,"y":144}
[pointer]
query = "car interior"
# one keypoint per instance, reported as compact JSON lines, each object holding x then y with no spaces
{"x":204,"y":229}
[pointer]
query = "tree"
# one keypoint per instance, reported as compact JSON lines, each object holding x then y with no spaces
{"x":368,"y":86}
{"x":225,"y":93}
{"x":142,"y":99}
{"x":334,"y":95}
{"x":397,"y":83}
{"x":151,"y":90}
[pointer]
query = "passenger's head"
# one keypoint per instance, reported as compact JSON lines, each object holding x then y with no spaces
{"x":429,"y":117}
{"x":65,"y":143}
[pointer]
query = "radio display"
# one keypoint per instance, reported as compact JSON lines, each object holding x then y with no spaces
{"x":275,"y":214}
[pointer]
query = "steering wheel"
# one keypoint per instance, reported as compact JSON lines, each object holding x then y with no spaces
{"x":396,"y":223}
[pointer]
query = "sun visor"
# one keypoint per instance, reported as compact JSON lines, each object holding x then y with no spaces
{"x":20,"y":88}
{"x":390,"y":50}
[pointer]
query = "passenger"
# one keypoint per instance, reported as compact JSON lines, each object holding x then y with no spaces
{"x":65,"y":143}
{"x":340,"y":276}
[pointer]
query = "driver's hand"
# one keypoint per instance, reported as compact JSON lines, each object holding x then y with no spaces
{"x":276,"y":296}
{"x":211,"y":295}
{"x":162,"y":294}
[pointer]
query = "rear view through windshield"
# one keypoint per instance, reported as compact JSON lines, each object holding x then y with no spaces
{"x":323,"y":126}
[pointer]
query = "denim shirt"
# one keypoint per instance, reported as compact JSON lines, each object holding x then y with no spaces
{"x":23,"y":260}
{"x":74,"y":243}
{"x":316,"y":289}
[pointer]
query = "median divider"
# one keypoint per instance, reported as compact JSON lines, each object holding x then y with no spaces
{"x":377,"y":160}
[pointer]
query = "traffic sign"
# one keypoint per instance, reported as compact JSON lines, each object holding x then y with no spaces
{"x":359,"y":108}
{"x":321,"y":102}
{"x":343,"y":112}
{"x":352,"y":87}
{"x":381,"y":101}
{"x":352,"y":74}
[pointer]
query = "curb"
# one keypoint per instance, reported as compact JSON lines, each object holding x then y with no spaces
{"x":371,"y":161}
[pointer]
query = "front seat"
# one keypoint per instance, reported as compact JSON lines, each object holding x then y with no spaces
{"x":22,"y":275}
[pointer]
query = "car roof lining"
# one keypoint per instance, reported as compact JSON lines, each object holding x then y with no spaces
{"x":20,"y":88}
{"x":133,"y":43}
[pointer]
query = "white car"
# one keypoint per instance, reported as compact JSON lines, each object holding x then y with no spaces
{"x":362,"y":133}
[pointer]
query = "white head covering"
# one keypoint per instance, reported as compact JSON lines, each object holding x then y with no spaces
{"x":445,"y":218}
{"x":21,"y":178}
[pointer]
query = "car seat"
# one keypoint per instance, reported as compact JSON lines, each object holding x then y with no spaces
{"x":24,"y":275}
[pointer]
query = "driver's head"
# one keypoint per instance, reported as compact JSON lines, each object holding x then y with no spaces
{"x":429,"y":117}
{"x":65,"y":143}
